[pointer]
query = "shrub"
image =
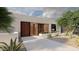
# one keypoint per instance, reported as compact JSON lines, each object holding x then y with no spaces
{"x":49,"y":36}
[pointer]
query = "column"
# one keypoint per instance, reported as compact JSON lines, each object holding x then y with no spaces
{"x":50,"y":28}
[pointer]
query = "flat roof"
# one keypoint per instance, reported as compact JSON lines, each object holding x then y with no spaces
{"x":23,"y":17}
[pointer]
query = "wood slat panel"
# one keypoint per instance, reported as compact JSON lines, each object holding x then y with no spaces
{"x":25,"y":29}
{"x":46,"y":28}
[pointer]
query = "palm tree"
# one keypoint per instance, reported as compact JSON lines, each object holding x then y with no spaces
{"x":5,"y":20}
{"x":5,"y":26}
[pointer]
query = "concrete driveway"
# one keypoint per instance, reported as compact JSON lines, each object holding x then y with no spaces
{"x":47,"y":45}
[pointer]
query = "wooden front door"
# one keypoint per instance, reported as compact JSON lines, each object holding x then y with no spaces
{"x":40,"y":28}
{"x":33,"y":29}
{"x":46,"y":28}
{"x":25,"y":29}
{"x":43,"y":28}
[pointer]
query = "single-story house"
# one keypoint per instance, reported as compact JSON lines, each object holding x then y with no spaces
{"x":32,"y":25}
{"x":28,"y":26}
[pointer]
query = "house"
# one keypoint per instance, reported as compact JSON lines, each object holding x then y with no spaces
{"x":31,"y":25}
{"x":28,"y":26}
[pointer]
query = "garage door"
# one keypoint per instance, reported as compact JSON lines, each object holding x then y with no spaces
{"x":25,"y":29}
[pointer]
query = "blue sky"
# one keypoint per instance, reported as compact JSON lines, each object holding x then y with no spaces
{"x":50,"y":12}
{"x":28,"y":11}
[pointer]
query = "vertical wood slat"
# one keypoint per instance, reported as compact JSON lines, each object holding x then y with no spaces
{"x":25,"y":29}
{"x":33,"y":29}
{"x":30,"y":28}
{"x":46,"y":28}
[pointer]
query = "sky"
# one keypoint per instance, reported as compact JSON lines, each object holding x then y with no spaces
{"x":50,"y":12}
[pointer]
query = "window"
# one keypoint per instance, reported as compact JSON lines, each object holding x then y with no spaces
{"x":53,"y":27}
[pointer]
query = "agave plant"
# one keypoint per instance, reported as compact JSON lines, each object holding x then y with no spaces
{"x":14,"y":46}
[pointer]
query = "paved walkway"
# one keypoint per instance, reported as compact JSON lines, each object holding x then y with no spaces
{"x":47,"y":45}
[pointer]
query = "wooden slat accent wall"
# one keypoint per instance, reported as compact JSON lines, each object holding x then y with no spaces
{"x":30,"y":28}
{"x":25,"y":29}
{"x":46,"y":28}
{"x":33,"y":29}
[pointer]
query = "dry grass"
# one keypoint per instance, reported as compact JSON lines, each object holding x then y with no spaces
{"x":74,"y":41}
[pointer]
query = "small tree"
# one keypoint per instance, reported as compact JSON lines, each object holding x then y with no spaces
{"x":69,"y":20}
{"x":5,"y":20}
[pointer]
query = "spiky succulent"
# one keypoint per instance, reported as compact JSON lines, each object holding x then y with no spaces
{"x":14,"y":46}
